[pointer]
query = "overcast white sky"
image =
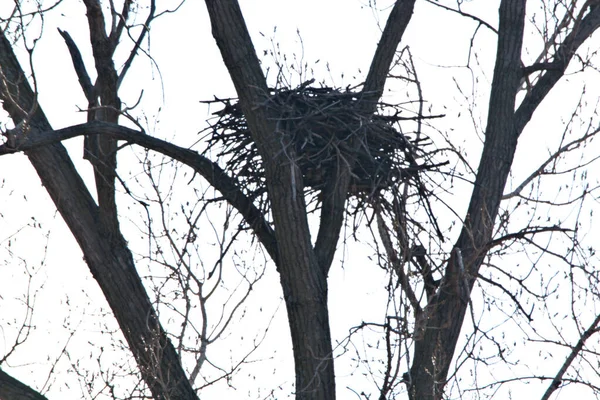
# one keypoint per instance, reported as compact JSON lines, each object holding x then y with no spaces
{"x":187,"y":68}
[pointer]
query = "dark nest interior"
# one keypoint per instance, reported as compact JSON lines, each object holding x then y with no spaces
{"x":325,"y":127}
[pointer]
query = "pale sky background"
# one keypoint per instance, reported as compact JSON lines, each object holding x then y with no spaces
{"x":340,"y":33}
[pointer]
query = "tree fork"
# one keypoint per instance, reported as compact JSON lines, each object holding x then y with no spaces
{"x":109,"y":260}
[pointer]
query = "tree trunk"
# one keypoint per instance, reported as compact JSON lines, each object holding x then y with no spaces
{"x":443,"y":317}
{"x":441,"y":322}
{"x":107,"y":256}
{"x":303,"y":270}
{"x":303,"y":280}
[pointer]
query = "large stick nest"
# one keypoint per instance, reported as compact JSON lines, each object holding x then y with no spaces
{"x":323,"y":127}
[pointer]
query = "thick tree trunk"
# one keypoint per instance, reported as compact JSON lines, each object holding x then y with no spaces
{"x":303,"y":270}
{"x":304,"y":283}
{"x":443,"y":317}
{"x":303,"y":280}
{"x":436,"y":339}
{"x":107,"y":256}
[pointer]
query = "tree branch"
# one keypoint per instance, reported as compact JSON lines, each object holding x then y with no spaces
{"x":335,"y":193}
{"x":12,"y":389}
{"x":138,"y":42}
{"x":332,"y":216}
{"x":563,"y":56}
{"x":527,"y":231}
{"x":109,"y":259}
{"x":509,"y":294}
{"x":117,"y":28}
{"x":567,"y":147}
{"x":465,"y":14}
{"x":214,"y":174}
{"x":446,"y":312}
{"x":575,"y":350}
{"x":397,"y":264}
{"x":78,"y":64}
{"x":386,"y":49}
{"x":541,"y":66}
{"x":101,"y":151}
{"x":232,"y":37}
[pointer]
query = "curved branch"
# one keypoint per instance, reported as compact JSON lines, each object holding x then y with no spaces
{"x":214,"y":174}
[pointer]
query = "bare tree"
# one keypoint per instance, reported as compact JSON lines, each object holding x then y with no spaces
{"x":291,"y":151}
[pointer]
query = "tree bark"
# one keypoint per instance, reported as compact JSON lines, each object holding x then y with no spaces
{"x":443,"y":317}
{"x":105,"y":106}
{"x":303,"y":269}
{"x":108,"y":257}
{"x":303,"y":280}
{"x":437,"y":335}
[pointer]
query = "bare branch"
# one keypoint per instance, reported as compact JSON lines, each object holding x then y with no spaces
{"x":464,"y":14}
{"x":78,"y":64}
{"x":101,"y":151}
{"x":509,"y":294}
{"x":541,"y":66}
{"x":564,"y":54}
{"x":575,"y":350}
{"x":208,"y":169}
{"x":117,"y":28}
{"x":397,"y":264}
{"x":553,"y":157}
{"x":138,"y":43}
{"x":109,"y":259}
{"x":386,"y":49}
{"x":526,"y":232}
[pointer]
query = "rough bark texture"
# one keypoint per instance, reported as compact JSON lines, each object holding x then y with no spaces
{"x":303,"y":280}
{"x":434,"y":348}
{"x":108,"y":258}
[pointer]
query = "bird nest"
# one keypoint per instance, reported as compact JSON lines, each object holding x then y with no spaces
{"x":324,"y":127}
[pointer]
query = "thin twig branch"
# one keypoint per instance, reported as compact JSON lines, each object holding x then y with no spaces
{"x":465,"y":14}
{"x":593,"y":328}
{"x":541,"y":170}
